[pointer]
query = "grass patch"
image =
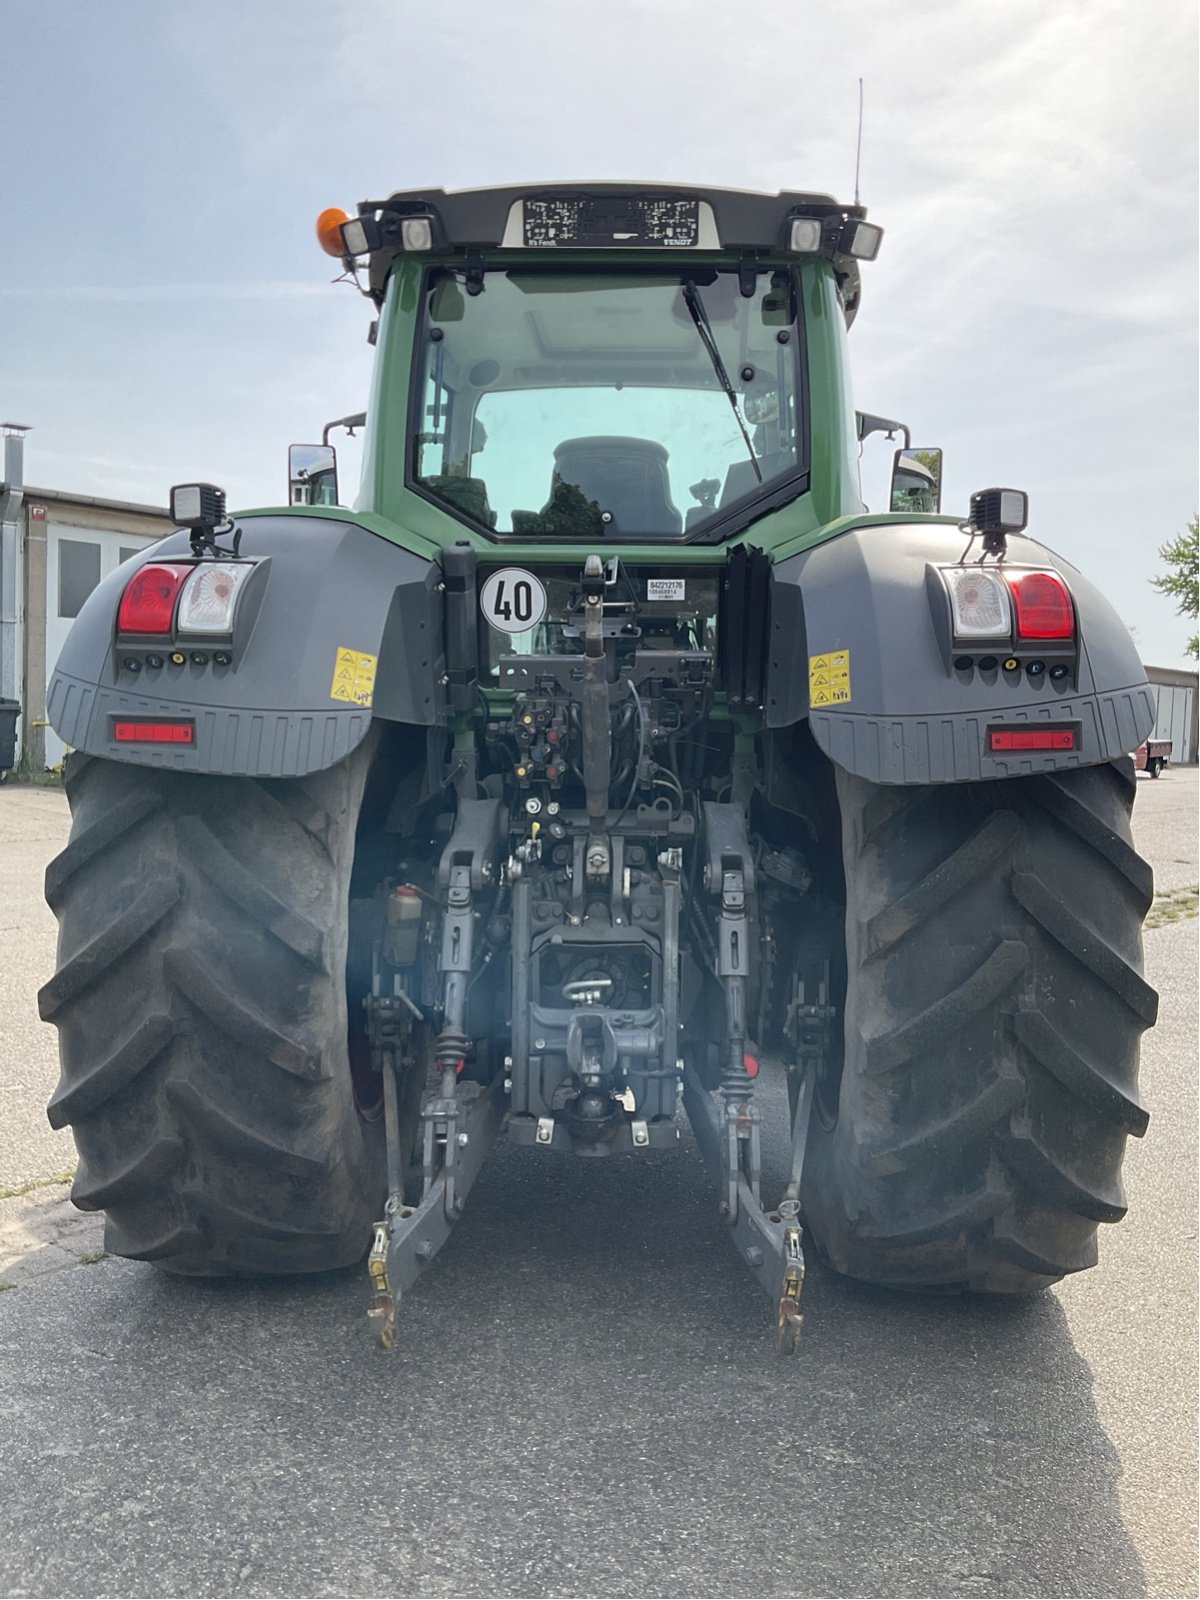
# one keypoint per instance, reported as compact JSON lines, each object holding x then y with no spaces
{"x":42,"y":778}
{"x":92,"y":1256}
{"x":4,"y":1286}
{"x":1176,"y":905}
{"x":18,"y":1189}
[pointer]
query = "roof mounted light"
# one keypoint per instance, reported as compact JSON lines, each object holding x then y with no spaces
{"x":860,"y":240}
{"x":416,"y":233}
{"x":804,"y":236}
{"x":360,"y":235}
{"x":329,"y":230}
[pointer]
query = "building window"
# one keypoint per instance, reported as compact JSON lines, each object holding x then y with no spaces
{"x":78,"y":574}
{"x":126,"y":554}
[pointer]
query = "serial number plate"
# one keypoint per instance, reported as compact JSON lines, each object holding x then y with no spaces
{"x":583,"y":223}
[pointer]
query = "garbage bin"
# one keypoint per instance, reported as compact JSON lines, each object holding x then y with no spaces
{"x":10,"y":710}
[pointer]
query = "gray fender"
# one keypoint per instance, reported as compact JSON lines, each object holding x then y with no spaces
{"x":908,"y":717}
{"x":328,"y":586}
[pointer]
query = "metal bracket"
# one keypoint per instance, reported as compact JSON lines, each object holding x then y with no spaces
{"x":770,"y":1242}
{"x":383,"y":1312}
{"x":409,"y":1237}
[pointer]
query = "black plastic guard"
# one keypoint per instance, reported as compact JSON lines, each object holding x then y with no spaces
{"x":894,"y":711}
{"x":332,"y":587}
{"x":742,"y":634}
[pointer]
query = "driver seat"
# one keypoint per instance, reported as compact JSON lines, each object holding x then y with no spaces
{"x":627,"y":477}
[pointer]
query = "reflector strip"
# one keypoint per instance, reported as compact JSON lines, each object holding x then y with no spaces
{"x":1031,"y":739}
{"x":154,"y":732}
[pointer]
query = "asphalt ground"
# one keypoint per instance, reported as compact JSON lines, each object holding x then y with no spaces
{"x":584,"y":1399}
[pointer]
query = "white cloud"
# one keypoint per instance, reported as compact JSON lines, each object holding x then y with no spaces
{"x":1034,"y":165}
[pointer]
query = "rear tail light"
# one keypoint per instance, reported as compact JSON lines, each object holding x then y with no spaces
{"x":979,"y":603}
{"x":129,"y":732}
{"x":210,"y":595}
{"x":148,"y":603}
{"x":1045,"y":609}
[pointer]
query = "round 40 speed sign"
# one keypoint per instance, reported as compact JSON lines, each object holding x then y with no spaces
{"x":513,"y":600}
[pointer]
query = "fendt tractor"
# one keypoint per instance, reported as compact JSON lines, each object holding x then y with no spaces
{"x":608,"y":748}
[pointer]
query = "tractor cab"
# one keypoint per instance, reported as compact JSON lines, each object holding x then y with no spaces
{"x":604,"y":365}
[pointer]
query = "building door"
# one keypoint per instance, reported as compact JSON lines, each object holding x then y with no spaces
{"x":1176,"y":710}
{"x":76,"y":560}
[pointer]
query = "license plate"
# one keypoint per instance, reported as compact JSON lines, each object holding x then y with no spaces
{"x":583,"y":223}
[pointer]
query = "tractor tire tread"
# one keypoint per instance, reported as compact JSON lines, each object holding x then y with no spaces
{"x":201,"y":1007}
{"x":994,"y":1009}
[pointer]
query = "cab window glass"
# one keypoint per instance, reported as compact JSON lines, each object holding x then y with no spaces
{"x":614,"y":405}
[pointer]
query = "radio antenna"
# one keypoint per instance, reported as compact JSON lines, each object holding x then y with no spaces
{"x":858,"y":151}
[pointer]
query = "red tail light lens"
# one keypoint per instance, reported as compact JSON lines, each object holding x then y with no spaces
{"x":1045,"y":609}
{"x":148,"y":604}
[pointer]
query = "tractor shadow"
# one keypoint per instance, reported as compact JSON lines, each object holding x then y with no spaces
{"x":584,"y":1399}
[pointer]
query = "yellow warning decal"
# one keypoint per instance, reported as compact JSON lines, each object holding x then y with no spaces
{"x":353,"y":677}
{"x":829,"y":678}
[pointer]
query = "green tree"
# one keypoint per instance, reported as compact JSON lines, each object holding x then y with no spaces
{"x":1182,"y":581}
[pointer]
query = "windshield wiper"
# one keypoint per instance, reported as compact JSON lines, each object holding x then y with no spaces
{"x":704,"y":328}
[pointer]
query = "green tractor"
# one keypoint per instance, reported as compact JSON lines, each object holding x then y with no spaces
{"x":607,"y":748}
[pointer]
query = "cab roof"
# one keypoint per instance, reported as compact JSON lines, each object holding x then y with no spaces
{"x":744,"y":218}
{"x":665,"y":219}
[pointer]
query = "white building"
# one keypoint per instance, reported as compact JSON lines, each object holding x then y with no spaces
{"x":1175,"y":692}
{"x":67,"y":543}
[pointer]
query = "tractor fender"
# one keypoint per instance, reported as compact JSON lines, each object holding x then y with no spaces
{"x":899,"y":712}
{"x":329,"y":587}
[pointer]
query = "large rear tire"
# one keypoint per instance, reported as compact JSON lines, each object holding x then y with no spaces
{"x":993,"y":1014}
{"x":200,"y":1000}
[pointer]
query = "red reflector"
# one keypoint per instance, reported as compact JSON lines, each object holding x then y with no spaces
{"x":1031,"y":739}
{"x":148,"y":604}
{"x":154,"y":732}
{"x":751,"y":1065}
{"x":1045,"y":609}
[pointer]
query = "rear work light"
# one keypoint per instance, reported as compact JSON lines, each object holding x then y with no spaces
{"x":1045,"y":609}
{"x":209,"y":596}
{"x":129,"y":732}
{"x":148,"y":604}
{"x":1032,"y":739}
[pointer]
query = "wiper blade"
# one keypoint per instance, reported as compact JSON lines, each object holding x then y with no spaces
{"x":699,"y":316}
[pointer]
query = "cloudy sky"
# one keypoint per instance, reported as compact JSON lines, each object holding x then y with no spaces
{"x":165,"y":313}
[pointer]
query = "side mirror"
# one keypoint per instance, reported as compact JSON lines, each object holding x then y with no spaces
{"x":312,"y":475}
{"x":917,"y":481}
